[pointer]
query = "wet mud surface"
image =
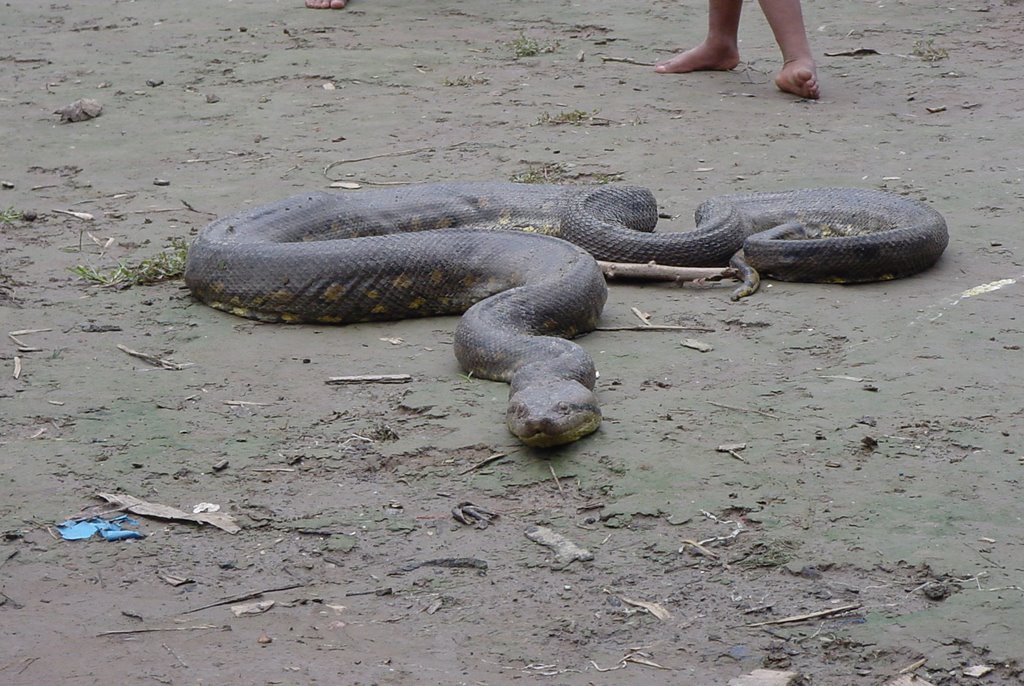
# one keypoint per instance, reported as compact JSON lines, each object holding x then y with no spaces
{"x":871,"y":518}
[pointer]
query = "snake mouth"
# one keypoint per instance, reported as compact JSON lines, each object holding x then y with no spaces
{"x":560,"y":436}
{"x":540,"y":420}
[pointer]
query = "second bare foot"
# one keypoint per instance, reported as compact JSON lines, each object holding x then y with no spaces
{"x":704,"y":57}
{"x":799,"y":78}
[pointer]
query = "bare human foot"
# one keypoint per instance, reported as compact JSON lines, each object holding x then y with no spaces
{"x":705,"y":57}
{"x":326,"y":4}
{"x":800,"y":78}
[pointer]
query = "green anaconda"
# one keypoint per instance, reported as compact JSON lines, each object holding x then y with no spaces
{"x":432,"y":249}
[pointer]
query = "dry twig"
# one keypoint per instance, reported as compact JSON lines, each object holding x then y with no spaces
{"x":811,"y":615}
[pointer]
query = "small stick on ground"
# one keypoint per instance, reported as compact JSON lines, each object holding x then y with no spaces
{"x":245,"y":596}
{"x":914,"y":666}
{"x":155,"y":210}
{"x":121,"y":632}
{"x":174,"y":655}
{"x":645,"y":325}
{"x":368,"y":378}
{"x":25,"y":332}
{"x":656,"y":327}
{"x":660,"y":272}
{"x":744,"y":409}
{"x":555,"y":477}
{"x":707,"y":552}
{"x":812,"y":615}
{"x":733,"y":449}
{"x":625,"y":60}
{"x":483,"y":463}
{"x":396,"y":153}
{"x":642,"y":316}
{"x":154,"y":360}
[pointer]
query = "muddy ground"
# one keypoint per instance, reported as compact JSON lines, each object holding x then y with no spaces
{"x":880,"y":483}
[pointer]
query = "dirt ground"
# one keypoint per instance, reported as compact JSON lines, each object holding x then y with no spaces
{"x":879,"y":489}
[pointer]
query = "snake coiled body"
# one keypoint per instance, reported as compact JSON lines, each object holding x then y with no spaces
{"x":433,"y":249}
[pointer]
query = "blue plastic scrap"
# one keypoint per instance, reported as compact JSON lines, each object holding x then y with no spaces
{"x":109,"y":529}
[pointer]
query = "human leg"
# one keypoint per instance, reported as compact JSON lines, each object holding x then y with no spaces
{"x":720,"y":49}
{"x":799,"y":74}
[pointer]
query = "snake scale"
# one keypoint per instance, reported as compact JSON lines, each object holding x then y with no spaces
{"x":532,"y":284}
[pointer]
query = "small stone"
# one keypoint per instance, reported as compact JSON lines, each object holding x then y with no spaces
{"x":161,"y":182}
{"x":694,"y":344}
{"x":211,"y":98}
{"x":79,"y":110}
{"x":936,"y":590}
{"x":977,"y":671}
{"x":153,"y":83}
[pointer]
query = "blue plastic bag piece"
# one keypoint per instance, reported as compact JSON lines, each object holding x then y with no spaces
{"x":120,"y":534}
{"x":77,"y":531}
{"x":110,"y":530}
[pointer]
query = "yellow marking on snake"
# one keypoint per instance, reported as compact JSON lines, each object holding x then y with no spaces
{"x":542,"y":229}
{"x":379,"y":309}
{"x":436,"y":277}
{"x":280,"y":297}
{"x":416,"y":303}
{"x":334,"y":293}
{"x":402,"y":282}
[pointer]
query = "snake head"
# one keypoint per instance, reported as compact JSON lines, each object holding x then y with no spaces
{"x":553,"y":413}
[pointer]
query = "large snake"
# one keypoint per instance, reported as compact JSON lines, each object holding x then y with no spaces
{"x":433,"y":249}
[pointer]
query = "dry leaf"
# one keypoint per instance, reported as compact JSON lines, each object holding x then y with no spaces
{"x":145,"y":509}
{"x":85,"y":216}
{"x":655,"y":609}
{"x":249,"y":609}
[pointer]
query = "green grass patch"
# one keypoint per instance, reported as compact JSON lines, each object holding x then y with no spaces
{"x":466,"y":81}
{"x":552,"y":172}
{"x":9,"y":216}
{"x":525,"y":46}
{"x":556,"y":172}
{"x":573,"y":117}
{"x":165,"y":266}
{"x":926,"y":50}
